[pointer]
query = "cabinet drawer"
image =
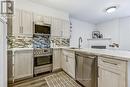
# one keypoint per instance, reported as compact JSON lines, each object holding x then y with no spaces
{"x":112,"y":63}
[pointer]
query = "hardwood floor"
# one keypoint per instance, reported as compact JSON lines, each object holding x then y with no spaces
{"x":57,"y":79}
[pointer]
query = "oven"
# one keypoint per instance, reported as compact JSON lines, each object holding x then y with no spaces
{"x":42,"y":60}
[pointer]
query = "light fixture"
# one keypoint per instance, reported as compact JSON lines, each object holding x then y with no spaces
{"x":111,"y":9}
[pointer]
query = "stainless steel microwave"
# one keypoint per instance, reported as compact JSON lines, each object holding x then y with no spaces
{"x":42,"y":29}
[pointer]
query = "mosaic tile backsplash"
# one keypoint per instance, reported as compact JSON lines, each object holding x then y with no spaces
{"x":59,"y":42}
{"x":20,"y":42}
{"x":41,"y":41}
{"x":37,"y":42}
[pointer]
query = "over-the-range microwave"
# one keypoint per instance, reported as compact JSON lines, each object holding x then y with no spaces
{"x":42,"y":29}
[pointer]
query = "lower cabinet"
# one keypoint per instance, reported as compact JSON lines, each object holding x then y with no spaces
{"x":112,"y":73}
{"x":56,"y":59}
{"x":68,"y":62}
{"x":23,"y":64}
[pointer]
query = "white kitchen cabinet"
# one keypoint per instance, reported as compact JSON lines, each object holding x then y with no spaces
{"x":71,"y":66}
{"x":56,"y":59}
{"x":60,"y":28}
{"x":16,"y":23}
{"x":64,"y":62}
{"x":27,"y":23}
{"x":23,"y":64}
{"x":38,"y":19}
{"x":22,"y":23}
{"x":56,"y":29}
{"x":112,"y":73}
{"x":68,"y":62}
{"x":47,"y":19}
{"x":66,"y":29}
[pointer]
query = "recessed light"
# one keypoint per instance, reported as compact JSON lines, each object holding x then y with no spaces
{"x":111,"y":9}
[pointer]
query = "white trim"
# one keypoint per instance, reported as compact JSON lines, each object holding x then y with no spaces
{"x":3,"y":52}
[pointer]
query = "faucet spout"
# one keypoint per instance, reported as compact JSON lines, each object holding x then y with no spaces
{"x":80,"y":41}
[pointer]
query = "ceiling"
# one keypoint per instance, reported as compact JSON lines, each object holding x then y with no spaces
{"x":90,"y":10}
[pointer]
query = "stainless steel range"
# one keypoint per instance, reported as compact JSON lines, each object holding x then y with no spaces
{"x":42,"y":60}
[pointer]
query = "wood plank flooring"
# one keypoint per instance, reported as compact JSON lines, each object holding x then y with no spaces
{"x":58,"y":79}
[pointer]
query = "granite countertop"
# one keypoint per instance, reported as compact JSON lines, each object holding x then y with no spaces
{"x":116,"y":54}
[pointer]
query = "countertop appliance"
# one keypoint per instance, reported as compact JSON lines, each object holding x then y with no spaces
{"x":42,"y":60}
{"x":86,"y":69}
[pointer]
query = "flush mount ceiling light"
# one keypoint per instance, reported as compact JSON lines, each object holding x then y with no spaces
{"x":111,"y":9}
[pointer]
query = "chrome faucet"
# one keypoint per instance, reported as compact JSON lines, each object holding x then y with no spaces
{"x":80,"y":41}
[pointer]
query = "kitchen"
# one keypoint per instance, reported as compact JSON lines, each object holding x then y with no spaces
{"x":55,"y":44}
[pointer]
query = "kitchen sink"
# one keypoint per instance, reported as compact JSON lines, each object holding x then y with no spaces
{"x":74,"y":48}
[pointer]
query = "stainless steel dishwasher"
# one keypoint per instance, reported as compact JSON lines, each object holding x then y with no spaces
{"x":86,"y":69}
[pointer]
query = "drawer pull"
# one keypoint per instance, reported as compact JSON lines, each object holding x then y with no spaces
{"x":110,"y":62}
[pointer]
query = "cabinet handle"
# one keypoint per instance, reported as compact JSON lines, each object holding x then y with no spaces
{"x":109,"y":62}
{"x":92,"y":57}
{"x":61,"y":33}
{"x":21,"y":29}
{"x":97,"y":71}
{"x":66,"y":58}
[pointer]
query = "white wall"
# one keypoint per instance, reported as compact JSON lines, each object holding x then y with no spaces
{"x":83,"y":29}
{"x":118,"y":30}
{"x":124,"y":33}
{"x":40,"y":9}
{"x":110,"y":29}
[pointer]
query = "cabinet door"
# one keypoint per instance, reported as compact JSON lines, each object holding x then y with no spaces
{"x":56,"y":59}
{"x":71,"y":66}
{"x":63,"y":63}
{"x":39,"y":19}
{"x":110,"y":78}
{"x":56,"y":29}
{"x":112,"y":73}
{"x":68,"y":62}
{"x":47,"y":19}
{"x":23,"y":64}
{"x":66,"y":29}
{"x":27,"y":23}
{"x":16,"y":23}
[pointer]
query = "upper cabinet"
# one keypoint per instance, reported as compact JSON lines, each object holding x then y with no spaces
{"x":27,"y":22}
{"x":47,"y":19}
{"x":60,"y":28}
{"x":16,"y":23}
{"x":66,"y":29}
{"x":56,"y":29}
{"x":22,"y":23}
{"x":39,"y":19}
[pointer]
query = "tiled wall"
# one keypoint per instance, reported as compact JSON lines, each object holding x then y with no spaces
{"x":37,"y":42}
{"x":41,"y":41}
{"x":20,"y":42}
{"x":60,"y":42}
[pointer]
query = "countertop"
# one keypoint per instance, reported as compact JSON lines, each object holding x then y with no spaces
{"x":19,"y":49}
{"x":116,"y":54}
